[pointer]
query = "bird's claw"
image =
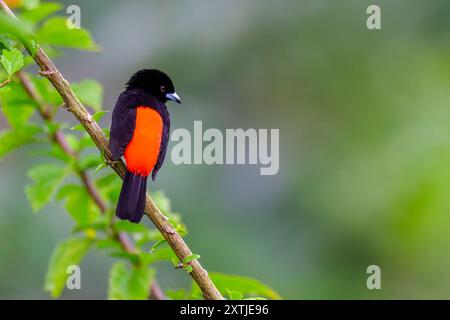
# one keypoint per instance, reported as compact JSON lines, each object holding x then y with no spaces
{"x":112,"y":163}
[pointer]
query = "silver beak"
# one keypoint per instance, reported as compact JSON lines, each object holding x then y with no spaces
{"x":173,"y":96}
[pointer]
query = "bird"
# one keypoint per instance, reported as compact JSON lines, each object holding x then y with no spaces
{"x":140,"y":127}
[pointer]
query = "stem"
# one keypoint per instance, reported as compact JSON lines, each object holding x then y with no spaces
{"x":5,"y":83}
{"x":73,"y":104}
{"x":93,"y":192}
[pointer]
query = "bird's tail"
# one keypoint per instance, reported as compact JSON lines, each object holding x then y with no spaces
{"x":131,"y":203}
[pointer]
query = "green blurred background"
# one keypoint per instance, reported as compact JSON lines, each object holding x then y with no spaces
{"x":364,"y":121}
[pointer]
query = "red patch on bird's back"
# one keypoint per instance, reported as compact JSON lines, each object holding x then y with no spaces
{"x":142,"y":152}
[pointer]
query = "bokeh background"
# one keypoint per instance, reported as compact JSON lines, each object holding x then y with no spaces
{"x":364,"y":119}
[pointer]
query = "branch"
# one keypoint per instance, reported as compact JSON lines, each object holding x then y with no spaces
{"x":73,"y":105}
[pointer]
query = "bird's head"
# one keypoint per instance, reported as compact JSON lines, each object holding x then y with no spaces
{"x":156,"y":83}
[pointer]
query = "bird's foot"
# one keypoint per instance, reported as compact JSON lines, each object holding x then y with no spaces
{"x":112,"y":163}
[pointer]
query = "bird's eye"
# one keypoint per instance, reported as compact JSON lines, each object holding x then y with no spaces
{"x":163,"y":89}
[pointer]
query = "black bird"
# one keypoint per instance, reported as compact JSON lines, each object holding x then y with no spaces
{"x":140,"y":132}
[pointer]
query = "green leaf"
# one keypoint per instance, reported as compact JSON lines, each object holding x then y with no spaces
{"x":245,"y":285}
{"x":148,"y":236}
{"x":70,"y":252}
{"x":157,"y":244}
{"x":39,"y":13}
{"x":85,"y":142}
{"x":127,"y":226}
{"x":13,"y":139}
{"x":72,"y":141}
{"x":9,"y":141}
{"x":175,"y":261}
{"x":17,"y":106}
{"x":177,"y":295}
{"x":78,"y":127}
{"x":29,"y":61}
{"x":181,"y":229}
{"x":52,"y":151}
{"x":19,"y":30}
{"x":188,"y":268}
{"x":126,"y":284}
{"x":133,"y":258}
{"x":6,"y":43}
{"x":67,"y":190}
{"x":52,"y":127}
{"x":108,"y":244}
{"x":79,"y":204}
{"x":55,"y":32}
{"x":46,"y":178}
{"x":19,"y":97}
{"x":90,"y":93}
{"x":5,"y":89}
{"x":107,"y":180}
{"x":18,"y":116}
{"x":98,"y":225}
{"x":162,"y":254}
{"x":90,"y":161}
{"x":31,"y":4}
{"x":12,"y":61}
{"x":191,"y":257}
{"x":235,"y":295}
{"x":162,"y":201}
{"x":107,"y":132}
{"x":47,"y":91}
{"x":100,"y":167}
{"x":99,"y":115}
{"x":110,"y":186}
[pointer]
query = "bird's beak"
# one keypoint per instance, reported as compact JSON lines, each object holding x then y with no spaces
{"x":173,"y":96}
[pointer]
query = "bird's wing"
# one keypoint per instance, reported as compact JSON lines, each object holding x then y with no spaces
{"x":164,"y":142}
{"x":123,"y":124}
